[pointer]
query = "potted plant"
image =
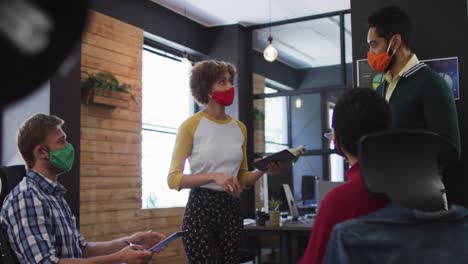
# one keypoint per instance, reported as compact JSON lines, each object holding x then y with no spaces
{"x":274,"y":214}
{"x":104,"y":88}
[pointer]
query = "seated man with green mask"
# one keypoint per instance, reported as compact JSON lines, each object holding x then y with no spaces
{"x":35,"y":216}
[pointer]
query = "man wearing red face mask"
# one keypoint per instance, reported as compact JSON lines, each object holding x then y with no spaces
{"x":419,"y":98}
{"x":215,"y":146}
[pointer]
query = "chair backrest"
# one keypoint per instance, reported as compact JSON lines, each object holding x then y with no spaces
{"x":403,"y":165}
{"x":10,"y":176}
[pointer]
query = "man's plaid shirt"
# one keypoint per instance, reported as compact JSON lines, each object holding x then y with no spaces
{"x":39,"y":223}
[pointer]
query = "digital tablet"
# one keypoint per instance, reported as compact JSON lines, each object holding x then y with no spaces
{"x":166,"y":241}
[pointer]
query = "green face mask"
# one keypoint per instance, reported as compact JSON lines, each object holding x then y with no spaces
{"x":63,"y":158}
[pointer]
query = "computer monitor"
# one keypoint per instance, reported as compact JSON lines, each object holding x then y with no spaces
{"x":291,"y":202}
{"x":275,"y":184}
{"x":308,"y":188}
{"x":323,"y":187}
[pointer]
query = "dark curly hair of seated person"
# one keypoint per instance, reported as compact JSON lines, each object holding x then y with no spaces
{"x":358,"y":112}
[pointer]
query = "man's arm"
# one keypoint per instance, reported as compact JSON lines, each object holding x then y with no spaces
{"x":145,"y":240}
{"x":126,"y":255}
{"x":25,"y":219}
{"x":103,"y":248}
{"x":441,"y":115}
{"x":117,"y":251}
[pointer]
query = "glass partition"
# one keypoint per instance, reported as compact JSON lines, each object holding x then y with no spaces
{"x":294,"y":97}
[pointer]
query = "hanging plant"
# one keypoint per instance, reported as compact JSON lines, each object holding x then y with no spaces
{"x":102,"y":84}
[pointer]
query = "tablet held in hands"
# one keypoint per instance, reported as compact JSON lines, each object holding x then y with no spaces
{"x":167,"y":241}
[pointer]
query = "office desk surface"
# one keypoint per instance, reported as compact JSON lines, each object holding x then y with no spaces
{"x":289,"y":233}
{"x":284,"y":226}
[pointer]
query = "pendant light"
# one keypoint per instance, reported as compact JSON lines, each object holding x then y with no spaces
{"x":270,"y":53}
{"x":298,"y":103}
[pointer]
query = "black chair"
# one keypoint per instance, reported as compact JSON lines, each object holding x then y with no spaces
{"x":403,"y":165}
{"x":10,"y":176}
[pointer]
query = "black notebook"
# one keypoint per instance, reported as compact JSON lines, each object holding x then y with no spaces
{"x":286,"y":155}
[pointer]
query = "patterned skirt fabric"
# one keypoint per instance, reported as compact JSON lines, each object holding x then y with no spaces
{"x":214,"y":222}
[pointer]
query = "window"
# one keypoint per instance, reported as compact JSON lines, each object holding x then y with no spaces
{"x":276,"y":122}
{"x":336,"y":161}
{"x":166,"y":90}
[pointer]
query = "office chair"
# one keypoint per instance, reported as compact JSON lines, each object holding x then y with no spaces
{"x":403,"y":166}
{"x":10,"y":176}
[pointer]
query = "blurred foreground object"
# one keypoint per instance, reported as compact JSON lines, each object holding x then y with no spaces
{"x":35,"y":39}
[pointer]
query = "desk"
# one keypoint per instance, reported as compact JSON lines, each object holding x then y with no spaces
{"x":289,"y":233}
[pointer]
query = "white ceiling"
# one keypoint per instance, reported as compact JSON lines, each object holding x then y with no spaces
{"x":301,"y":45}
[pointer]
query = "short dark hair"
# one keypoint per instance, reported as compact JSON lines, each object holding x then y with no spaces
{"x":33,"y":132}
{"x":389,"y":21}
{"x":358,"y":112}
{"x":204,"y":74}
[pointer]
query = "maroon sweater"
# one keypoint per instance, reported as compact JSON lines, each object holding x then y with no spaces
{"x":345,"y":202}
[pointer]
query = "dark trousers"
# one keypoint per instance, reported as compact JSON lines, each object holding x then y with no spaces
{"x":213,"y":221}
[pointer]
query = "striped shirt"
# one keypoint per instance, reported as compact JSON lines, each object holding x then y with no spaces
{"x":39,"y":223}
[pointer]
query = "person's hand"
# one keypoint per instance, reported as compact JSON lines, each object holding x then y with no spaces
{"x":146,"y":239}
{"x":131,"y":255}
{"x":229,"y":183}
{"x":273,"y":167}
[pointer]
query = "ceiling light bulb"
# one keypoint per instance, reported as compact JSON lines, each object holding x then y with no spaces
{"x":298,"y":103}
{"x":270,"y":53}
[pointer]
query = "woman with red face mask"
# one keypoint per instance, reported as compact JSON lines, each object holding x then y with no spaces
{"x":215,"y":146}
{"x":419,"y":98}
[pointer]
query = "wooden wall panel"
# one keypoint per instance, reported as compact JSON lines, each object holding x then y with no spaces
{"x":136,"y":84}
{"x":110,"y":203}
{"x":111,"y":56}
{"x":109,"y":135}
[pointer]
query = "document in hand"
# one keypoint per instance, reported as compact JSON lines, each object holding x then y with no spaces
{"x":166,"y":241}
{"x":286,"y":155}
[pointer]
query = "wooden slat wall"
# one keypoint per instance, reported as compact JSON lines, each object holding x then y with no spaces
{"x":110,"y":204}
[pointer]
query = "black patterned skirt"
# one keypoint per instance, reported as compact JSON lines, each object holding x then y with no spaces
{"x":213,"y":221}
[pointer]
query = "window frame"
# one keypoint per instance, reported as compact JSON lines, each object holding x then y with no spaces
{"x":167,"y":52}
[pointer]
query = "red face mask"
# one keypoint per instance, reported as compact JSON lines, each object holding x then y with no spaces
{"x":224,"y":98}
{"x":380,"y":62}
